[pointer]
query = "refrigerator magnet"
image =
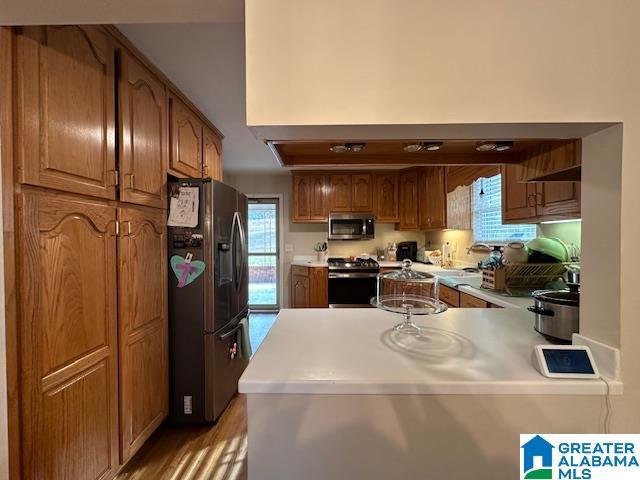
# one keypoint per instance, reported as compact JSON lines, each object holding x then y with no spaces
{"x":186,"y":270}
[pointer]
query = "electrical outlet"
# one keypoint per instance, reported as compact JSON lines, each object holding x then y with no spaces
{"x":188,"y":404}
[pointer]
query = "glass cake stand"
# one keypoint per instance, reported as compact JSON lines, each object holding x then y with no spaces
{"x":408,"y":292}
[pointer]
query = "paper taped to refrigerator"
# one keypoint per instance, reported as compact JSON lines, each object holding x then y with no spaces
{"x":183,"y":209}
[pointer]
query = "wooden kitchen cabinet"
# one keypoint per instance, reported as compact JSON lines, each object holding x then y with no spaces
{"x":362,"y":192}
{"x":186,"y":140}
{"x":387,"y":195}
{"x":558,"y":200}
{"x":65,"y":118}
{"x":408,"y":201}
{"x":299,"y":287}
{"x":518,"y":198}
{"x":144,"y":144}
{"x":449,"y":295}
{"x":318,"y":287}
{"x":469,"y":301}
{"x":66,"y":263}
{"x":310,"y":200}
{"x":309,"y":287}
{"x":432,"y":192}
{"x":212,"y":155}
{"x":537,"y":202}
{"x":554,"y":160}
{"x":142,"y":325}
{"x":340,"y":193}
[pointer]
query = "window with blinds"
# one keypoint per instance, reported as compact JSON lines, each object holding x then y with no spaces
{"x":487,"y":215}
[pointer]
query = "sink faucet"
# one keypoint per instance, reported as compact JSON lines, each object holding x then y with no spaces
{"x":478,"y":246}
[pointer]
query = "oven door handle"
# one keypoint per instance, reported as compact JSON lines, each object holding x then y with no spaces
{"x":352,"y":275}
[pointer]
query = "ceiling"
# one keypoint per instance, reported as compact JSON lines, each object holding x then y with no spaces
{"x":206,"y":61}
{"x":390,"y":154}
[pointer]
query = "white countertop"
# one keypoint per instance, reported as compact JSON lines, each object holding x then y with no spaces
{"x":470,"y":285}
{"x":305,"y":261}
{"x":353,"y":351}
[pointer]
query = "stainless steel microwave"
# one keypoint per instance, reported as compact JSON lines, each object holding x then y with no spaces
{"x":351,"y":226}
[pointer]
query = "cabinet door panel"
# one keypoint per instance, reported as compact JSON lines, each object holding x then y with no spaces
{"x":340,"y":193}
{"x":558,"y":200}
{"x":300,"y":291}
{"x":186,"y":140}
{"x":301,"y":198}
{"x":144,"y":135}
{"x":518,"y":199}
{"x":68,"y":345}
{"x":318,"y":208}
{"x":433,"y":198}
{"x":66,"y":109}
{"x":212,"y":155}
{"x":318,"y":287}
{"x":387,"y":196}
{"x":142,"y":326}
{"x":409,"y":201}
{"x":361,"y":192}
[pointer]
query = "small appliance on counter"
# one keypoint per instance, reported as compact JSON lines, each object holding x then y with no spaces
{"x":557,"y":312}
{"x":407,"y":250}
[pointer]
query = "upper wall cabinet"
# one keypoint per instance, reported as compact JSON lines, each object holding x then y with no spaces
{"x":310,"y":197}
{"x":408,"y":201}
{"x":144,"y":144}
{"x":558,"y":160}
{"x":432,"y":191}
{"x":340,"y":193}
{"x":66,"y":109}
{"x":537,"y":202}
{"x":186,"y":140}
{"x":362,"y":192}
{"x":518,"y":198}
{"x":211,"y":155}
{"x":387,"y":196}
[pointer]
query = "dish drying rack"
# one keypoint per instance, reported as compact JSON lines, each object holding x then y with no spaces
{"x":522,"y":275}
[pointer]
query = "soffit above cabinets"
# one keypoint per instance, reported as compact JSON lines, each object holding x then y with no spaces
{"x":390,"y":154}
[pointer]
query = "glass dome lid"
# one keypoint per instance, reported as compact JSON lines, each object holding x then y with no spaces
{"x":408,"y":292}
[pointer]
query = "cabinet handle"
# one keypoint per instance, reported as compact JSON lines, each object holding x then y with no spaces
{"x":531,"y":200}
{"x":539,"y":198}
{"x":130,"y":176}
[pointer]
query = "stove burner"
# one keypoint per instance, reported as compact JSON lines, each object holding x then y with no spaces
{"x":336,"y":263}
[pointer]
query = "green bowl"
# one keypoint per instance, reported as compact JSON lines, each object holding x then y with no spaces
{"x":554,"y":247}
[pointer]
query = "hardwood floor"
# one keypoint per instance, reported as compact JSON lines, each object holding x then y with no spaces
{"x":195,"y":453}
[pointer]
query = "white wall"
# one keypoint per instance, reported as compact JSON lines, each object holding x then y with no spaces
{"x":492,"y":64}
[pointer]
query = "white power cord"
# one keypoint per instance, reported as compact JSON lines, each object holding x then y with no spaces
{"x":608,"y":407}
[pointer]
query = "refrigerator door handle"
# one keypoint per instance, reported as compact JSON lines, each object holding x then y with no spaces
{"x":245,"y":253}
{"x":234,"y":249}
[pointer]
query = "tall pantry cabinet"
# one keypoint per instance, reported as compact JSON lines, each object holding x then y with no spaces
{"x":92,"y":149}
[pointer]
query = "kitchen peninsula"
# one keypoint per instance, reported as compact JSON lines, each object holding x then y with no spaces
{"x":333,"y":391}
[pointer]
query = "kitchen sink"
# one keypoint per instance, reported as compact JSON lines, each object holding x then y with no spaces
{"x":456,"y":274}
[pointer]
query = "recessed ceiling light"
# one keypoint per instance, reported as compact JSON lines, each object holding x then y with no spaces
{"x":412,"y":147}
{"x":433,"y":146}
{"x":338,"y":148}
{"x":355,"y":147}
{"x":502,"y":146}
{"x":419,"y":146}
{"x":486,"y":146}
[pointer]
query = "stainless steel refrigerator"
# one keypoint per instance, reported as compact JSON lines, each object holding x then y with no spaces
{"x":208,"y":297}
